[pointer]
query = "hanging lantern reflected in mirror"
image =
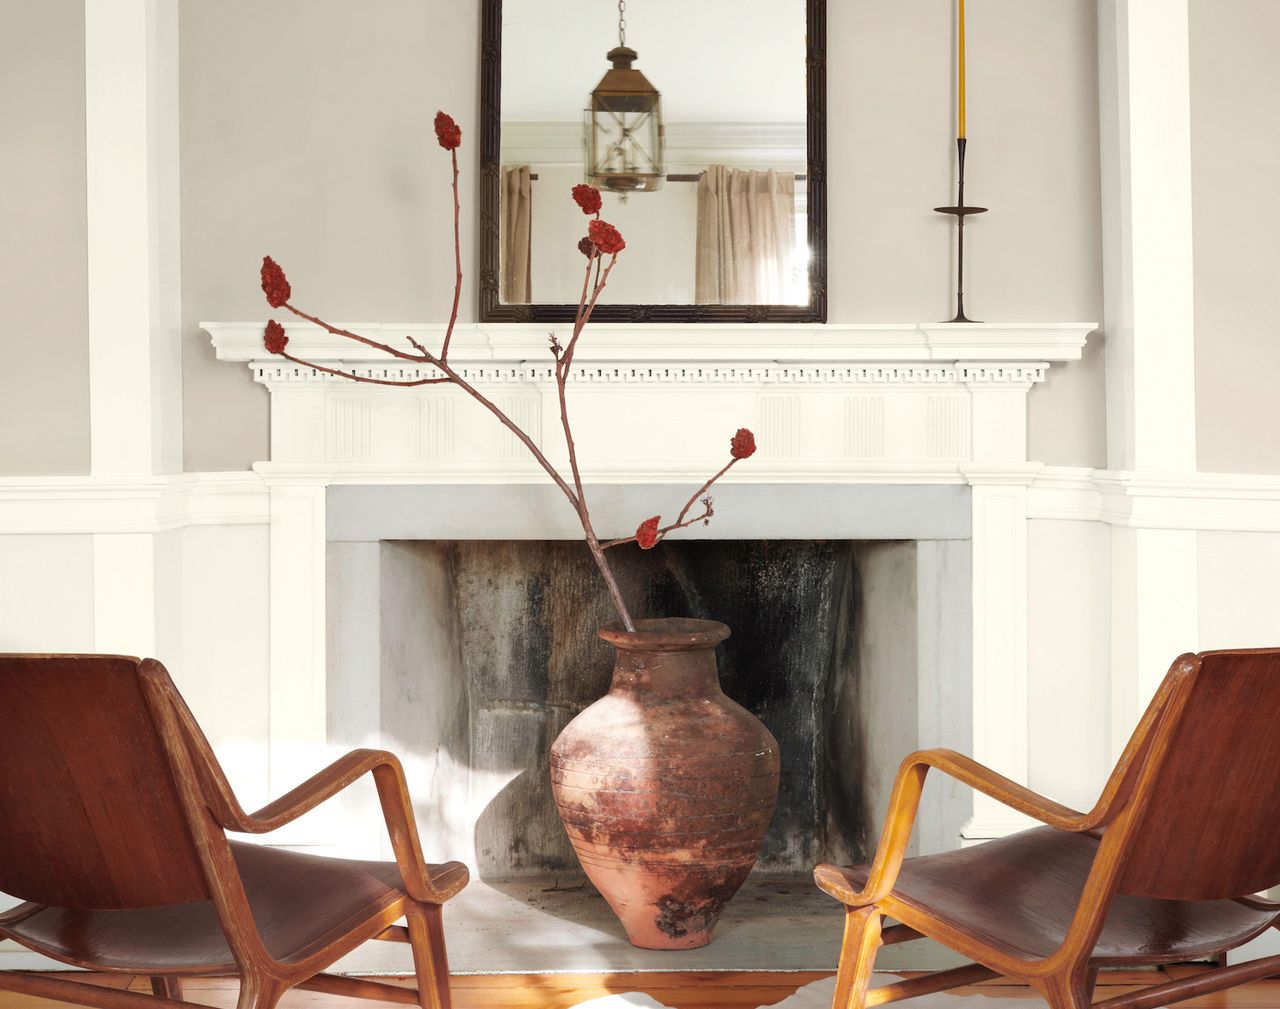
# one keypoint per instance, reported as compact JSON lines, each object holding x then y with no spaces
{"x":624,"y":131}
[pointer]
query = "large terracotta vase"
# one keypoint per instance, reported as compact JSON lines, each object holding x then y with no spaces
{"x":666,"y":786}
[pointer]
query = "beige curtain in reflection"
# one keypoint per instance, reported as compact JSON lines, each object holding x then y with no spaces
{"x":517,"y":216}
{"x":746,"y":236}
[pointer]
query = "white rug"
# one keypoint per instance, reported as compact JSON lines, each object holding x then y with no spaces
{"x":818,"y":996}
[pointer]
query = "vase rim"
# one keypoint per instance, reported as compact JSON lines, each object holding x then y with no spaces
{"x":665,"y":634}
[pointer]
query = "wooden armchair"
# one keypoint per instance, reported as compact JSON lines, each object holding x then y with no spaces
{"x":113,"y":820}
{"x":1164,"y":868}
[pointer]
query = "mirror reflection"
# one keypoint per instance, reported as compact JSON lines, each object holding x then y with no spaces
{"x":690,"y":119}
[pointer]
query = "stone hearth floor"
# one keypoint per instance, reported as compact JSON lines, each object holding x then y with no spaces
{"x":523,"y":926}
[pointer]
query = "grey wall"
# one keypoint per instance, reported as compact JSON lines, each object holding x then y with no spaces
{"x":1235,"y":162}
{"x":1032,"y":159}
{"x":306,"y":134}
{"x":44,"y":385}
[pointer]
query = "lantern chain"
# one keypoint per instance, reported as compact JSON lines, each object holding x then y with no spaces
{"x":622,"y":22}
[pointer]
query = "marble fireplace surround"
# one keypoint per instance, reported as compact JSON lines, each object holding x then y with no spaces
{"x":897,"y":432}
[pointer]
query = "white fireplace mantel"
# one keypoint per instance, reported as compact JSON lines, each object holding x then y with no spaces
{"x":908,"y":402}
{"x":895,"y":404}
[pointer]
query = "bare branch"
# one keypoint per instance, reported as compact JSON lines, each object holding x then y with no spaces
{"x":681,"y":522}
{"x":457,"y":262}
{"x":336,"y":331}
{"x":585,"y":316}
{"x":707,"y":512}
{"x":406,"y":383}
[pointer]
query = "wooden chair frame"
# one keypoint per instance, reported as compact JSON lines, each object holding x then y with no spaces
{"x":211,"y":809}
{"x":1064,"y":978}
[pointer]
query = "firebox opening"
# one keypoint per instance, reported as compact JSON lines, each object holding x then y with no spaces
{"x":487,"y":649}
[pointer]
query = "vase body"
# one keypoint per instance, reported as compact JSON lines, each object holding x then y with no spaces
{"x":666,"y":786}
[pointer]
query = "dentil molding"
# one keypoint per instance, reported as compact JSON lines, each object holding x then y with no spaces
{"x":275,"y":373}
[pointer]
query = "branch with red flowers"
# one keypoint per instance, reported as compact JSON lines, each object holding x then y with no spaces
{"x":602,"y":240}
{"x":651,"y":532}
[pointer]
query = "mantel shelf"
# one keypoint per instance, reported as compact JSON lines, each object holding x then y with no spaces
{"x":731,"y":343}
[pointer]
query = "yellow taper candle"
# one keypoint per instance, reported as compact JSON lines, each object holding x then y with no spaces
{"x":960,"y":65}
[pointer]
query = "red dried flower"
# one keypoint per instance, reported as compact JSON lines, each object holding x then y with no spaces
{"x":448,"y":133}
{"x":606,"y":237}
{"x":588,"y":198}
{"x":647,"y":533}
{"x":743,"y":444}
{"x":273,"y":338}
{"x":274,"y":283}
{"x":587,"y":247}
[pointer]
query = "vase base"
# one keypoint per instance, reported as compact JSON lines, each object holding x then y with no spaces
{"x":651,"y":937}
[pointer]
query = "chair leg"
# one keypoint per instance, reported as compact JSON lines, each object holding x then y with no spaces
{"x":857,"y":956}
{"x":167,"y":987}
{"x":430,"y":961}
{"x":258,"y":992}
{"x":1070,"y":990}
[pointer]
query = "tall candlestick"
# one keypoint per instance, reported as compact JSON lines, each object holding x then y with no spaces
{"x":960,"y":211}
{"x":960,"y":63}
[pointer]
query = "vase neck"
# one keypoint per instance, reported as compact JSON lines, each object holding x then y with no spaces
{"x":685,"y":673}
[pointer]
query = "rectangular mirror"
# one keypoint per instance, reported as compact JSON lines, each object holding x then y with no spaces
{"x":703,"y":125}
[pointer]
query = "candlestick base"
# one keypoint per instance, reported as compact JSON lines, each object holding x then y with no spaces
{"x":960,"y":316}
{"x":960,"y":211}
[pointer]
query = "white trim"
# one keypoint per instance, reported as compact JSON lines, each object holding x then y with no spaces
{"x":1144,"y":99}
{"x":671,"y":345}
{"x":1218,"y":502}
{"x":1000,"y":669}
{"x":133,"y":239}
{"x":91,"y":504}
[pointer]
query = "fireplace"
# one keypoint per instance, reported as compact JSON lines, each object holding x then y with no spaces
{"x":484,"y":650}
{"x":892,"y":460}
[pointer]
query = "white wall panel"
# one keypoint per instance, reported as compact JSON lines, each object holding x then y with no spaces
{"x":46,"y":593}
{"x":1068,"y":640}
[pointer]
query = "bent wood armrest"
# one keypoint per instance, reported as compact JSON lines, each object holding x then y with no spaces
{"x":324,"y":785}
{"x":905,"y":801}
{"x":423,"y":884}
{"x":431,"y":886}
{"x":1014,"y":795}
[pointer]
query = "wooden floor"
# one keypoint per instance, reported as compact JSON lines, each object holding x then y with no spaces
{"x":681,"y":990}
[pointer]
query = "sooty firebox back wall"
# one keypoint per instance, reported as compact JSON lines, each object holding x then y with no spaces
{"x":526,"y":616}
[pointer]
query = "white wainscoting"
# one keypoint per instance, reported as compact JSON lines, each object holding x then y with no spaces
{"x":212,"y":608}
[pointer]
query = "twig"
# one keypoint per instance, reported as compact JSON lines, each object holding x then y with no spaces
{"x":707,"y":512}
{"x":405,"y":383}
{"x":563,"y":363}
{"x":457,"y":261}
{"x":703,"y":489}
{"x":563,"y":355}
{"x":555,"y":887}
{"x":336,"y":331}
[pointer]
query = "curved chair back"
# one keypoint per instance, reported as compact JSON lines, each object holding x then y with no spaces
{"x":1210,"y":828}
{"x":90,"y":816}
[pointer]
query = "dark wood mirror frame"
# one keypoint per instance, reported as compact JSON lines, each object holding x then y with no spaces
{"x":492,"y":309}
